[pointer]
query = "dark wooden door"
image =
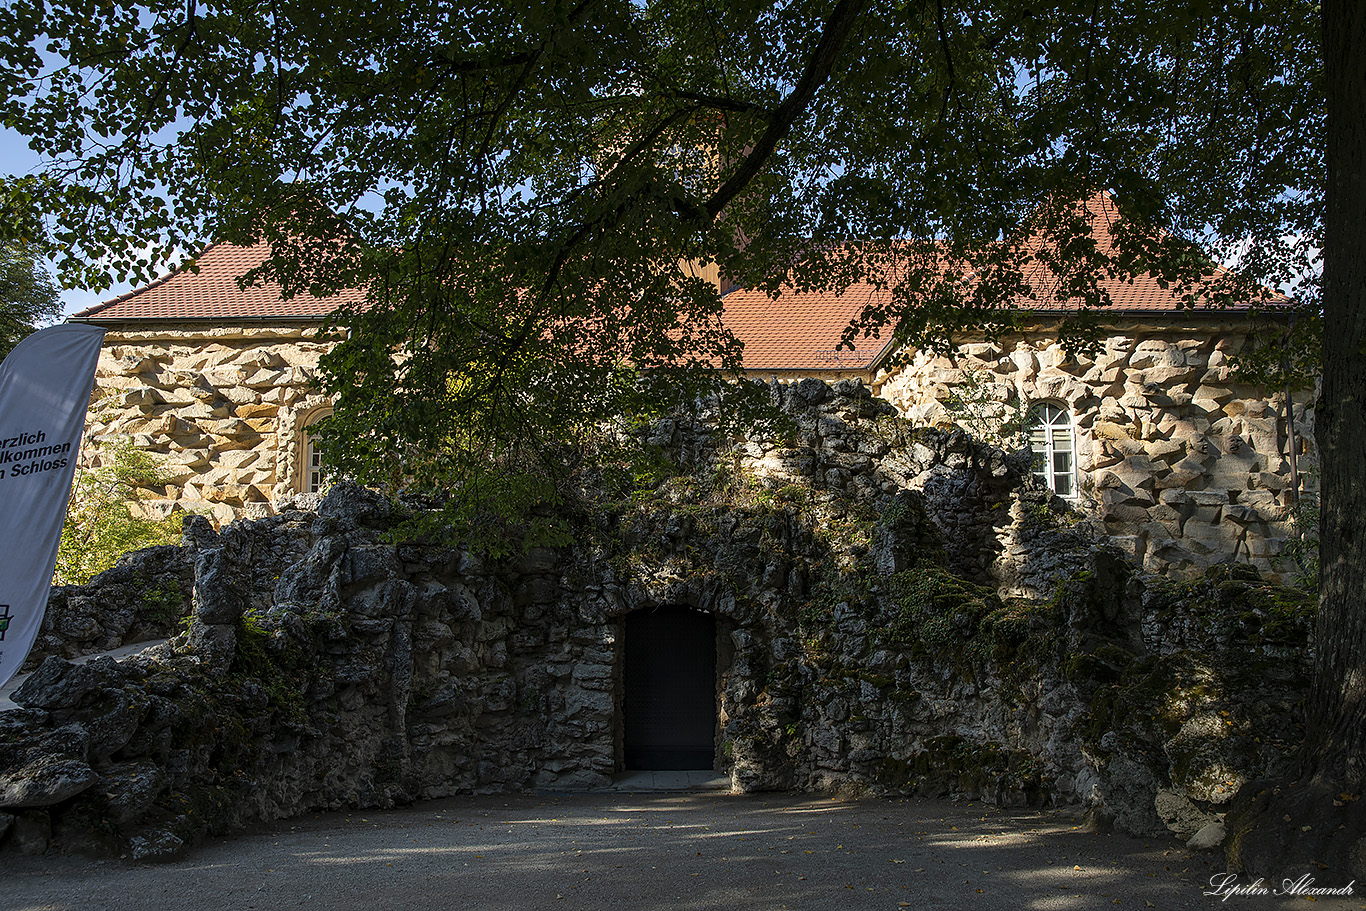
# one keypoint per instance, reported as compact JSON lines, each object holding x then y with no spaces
{"x":669,"y":711}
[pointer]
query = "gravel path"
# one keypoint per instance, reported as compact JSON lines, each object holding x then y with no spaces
{"x":667,"y":851}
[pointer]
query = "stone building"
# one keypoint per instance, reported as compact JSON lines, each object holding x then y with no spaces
{"x":1154,"y":441}
{"x":218,"y":380}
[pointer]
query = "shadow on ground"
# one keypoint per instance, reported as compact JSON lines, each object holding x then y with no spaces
{"x":644,"y":851}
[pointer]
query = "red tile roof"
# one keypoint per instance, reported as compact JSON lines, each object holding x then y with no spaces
{"x":212,"y":294}
{"x":1144,"y":293}
{"x":799,"y":330}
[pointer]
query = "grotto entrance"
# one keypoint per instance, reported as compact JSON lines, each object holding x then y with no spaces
{"x":669,"y":698}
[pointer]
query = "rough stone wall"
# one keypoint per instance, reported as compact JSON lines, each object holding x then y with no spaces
{"x":221,"y":406}
{"x":1178,"y":464}
{"x":144,"y":596}
{"x":866,"y":649}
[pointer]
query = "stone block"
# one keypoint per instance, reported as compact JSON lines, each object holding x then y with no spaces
{"x":142,"y":398}
{"x":1220,"y":394}
{"x":1126,"y":447}
{"x":1118,"y":347}
{"x":1125,"y":514}
{"x":1173,"y":497}
{"x":1169,"y":451}
{"x":228,"y":443}
{"x":1103,"y":456}
{"x":1026,"y":362}
{"x":1168,"y":515}
{"x":1206,"y":515}
{"x":1269,"y":443}
{"x":1054,"y":387}
{"x":237,"y":459}
{"x":1168,"y":377}
{"x":1268,"y":480}
{"x":1266,"y":548}
{"x":1133,"y":546}
{"x":224,"y":378}
{"x":1180,"y":814}
{"x":1244,"y":515}
{"x":1152,"y":353}
{"x":1206,"y":406}
{"x":265,"y":378}
{"x":1216,"y":376}
{"x":982,"y":351}
{"x":1265,"y":502}
{"x":1207,"y":538}
{"x":1112,"y":430}
{"x":1209,"y":837}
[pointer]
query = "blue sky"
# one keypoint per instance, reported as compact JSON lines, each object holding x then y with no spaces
{"x":17,"y":158}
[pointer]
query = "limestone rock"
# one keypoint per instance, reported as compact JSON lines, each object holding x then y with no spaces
{"x":157,"y":846}
{"x":43,"y":782}
{"x":372,"y":673}
{"x":129,"y":788}
{"x":1209,"y":838}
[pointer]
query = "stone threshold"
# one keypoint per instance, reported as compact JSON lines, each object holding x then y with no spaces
{"x":704,"y":780}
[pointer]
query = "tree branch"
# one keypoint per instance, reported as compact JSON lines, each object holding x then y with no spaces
{"x":948,"y":57}
{"x":818,"y":69}
{"x":726,"y":103}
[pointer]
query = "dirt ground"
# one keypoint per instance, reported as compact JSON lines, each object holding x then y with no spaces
{"x":686,"y":851}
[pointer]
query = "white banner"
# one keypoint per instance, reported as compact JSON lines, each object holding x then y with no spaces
{"x":44,"y":393}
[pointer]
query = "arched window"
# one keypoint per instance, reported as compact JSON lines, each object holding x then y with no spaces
{"x":1054,"y":447}
{"x":311,"y":474}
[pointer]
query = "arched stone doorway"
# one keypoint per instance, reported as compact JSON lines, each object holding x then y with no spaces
{"x":669,"y":692}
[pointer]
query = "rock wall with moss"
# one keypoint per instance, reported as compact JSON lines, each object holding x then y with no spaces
{"x":898,"y":612}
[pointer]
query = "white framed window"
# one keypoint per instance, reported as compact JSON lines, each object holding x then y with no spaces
{"x":1054,"y":445}
{"x":313,"y":467}
{"x":311,"y":474}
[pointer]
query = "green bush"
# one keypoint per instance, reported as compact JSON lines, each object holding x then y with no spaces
{"x":1300,"y":560}
{"x":101,"y":523}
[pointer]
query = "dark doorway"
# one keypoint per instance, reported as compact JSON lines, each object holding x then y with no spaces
{"x":669,"y":709}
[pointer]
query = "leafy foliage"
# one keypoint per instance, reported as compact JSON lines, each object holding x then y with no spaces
{"x":976,"y":405}
{"x":101,"y":523}
{"x":535,"y":194}
{"x":28,"y":298}
{"x":1301,"y":555}
{"x":937,"y":609}
{"x":500,"y":508}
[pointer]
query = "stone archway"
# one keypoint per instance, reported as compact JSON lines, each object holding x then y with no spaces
{"x":669,"y":698}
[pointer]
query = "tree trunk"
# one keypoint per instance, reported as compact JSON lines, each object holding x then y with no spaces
{"x":1317,"y":823}
{"x":1338,"y":703}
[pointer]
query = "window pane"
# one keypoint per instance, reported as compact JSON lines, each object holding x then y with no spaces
{"x":313,"y":463}
{"x":1062,"y":485}
{"x":1062,"y":438}
{"x":1062,"y":463}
